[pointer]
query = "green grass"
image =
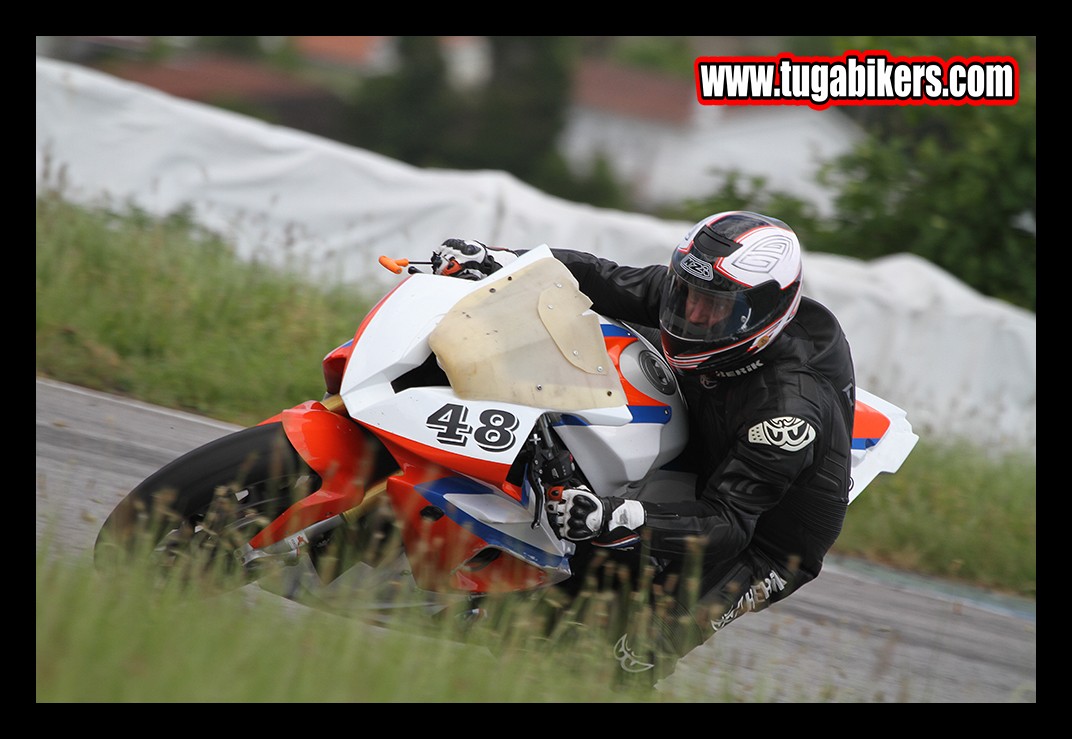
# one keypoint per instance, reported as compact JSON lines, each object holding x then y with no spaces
{"x":164,"y":312}
{"x":953,"y":513}
{"x":122,"y":640}
{"x":161,"y":311}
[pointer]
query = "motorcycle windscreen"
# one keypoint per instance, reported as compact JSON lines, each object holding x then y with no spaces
{"x":528,"y":338}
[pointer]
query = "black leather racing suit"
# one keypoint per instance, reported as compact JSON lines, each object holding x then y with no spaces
{"x":770,"y":443}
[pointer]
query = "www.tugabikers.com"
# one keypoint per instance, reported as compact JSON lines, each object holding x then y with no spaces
{"x":871,"y":78}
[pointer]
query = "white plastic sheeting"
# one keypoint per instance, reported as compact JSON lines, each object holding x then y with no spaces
{"x":960,"y":364}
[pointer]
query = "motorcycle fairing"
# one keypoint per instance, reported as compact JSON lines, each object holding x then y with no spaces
{"x":617,"y":458}
{"x":334,"y":364}
{"x":461,"y":535}
{"x":481,"y":466}
{"x":882,"y":439}
{"x":869,"y":426}
{"x":338,"y":452}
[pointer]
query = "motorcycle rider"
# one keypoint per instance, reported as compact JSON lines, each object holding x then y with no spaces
{"x":768,"y":379}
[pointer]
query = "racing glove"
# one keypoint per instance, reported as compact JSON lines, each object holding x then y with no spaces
{"x":468,"y":259}
{"x":578,"y":514}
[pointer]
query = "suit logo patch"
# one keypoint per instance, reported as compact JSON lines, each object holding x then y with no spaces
{"x":788,"y":432}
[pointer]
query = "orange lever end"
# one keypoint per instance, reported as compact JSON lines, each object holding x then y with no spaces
{"x":395,"y":265}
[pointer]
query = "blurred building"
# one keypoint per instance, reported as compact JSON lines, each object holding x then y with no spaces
{"x":666,"y":147}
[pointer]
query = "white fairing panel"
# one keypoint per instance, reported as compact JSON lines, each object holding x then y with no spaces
{"x":890,"y":451}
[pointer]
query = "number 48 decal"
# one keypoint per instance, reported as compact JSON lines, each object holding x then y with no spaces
{"x":494,"y":434}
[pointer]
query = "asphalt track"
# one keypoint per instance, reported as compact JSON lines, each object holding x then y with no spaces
{"x":858,"y":634}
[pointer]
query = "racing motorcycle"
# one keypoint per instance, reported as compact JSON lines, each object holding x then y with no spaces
{"x":418,"y":482}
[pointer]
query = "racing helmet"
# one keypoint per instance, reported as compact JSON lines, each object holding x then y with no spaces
{"x":734,"y":283}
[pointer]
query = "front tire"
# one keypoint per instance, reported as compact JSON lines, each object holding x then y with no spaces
{"x":191,"y":517}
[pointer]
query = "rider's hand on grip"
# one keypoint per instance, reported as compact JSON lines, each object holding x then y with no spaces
{"x":469,"y":259}
{"x":578,"y":514}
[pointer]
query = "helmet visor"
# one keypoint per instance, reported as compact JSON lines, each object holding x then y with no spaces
{"x":711,"y":317}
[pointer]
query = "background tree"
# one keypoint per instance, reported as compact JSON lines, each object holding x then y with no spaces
{"x":409,"y":115}
{"x":522,"y":108}
{"x":511,"y":123}
{"x":953,"y":184}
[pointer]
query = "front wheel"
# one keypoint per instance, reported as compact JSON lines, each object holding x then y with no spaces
{"x":192,"y":516}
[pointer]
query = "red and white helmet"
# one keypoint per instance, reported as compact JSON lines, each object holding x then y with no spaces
{"x":734,"y":284}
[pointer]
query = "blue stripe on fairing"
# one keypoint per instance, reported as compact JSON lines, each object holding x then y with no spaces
{"x":641,"y":414}
{"x":609,"y":329}
{"x":650,"y":413}
{"x":864,"y":443}
{"x":435,"y":492}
